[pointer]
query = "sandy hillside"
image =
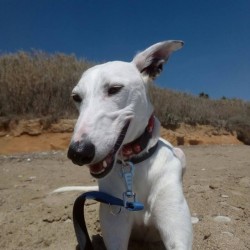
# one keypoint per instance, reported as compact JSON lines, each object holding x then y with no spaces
{"x":33,"y":136}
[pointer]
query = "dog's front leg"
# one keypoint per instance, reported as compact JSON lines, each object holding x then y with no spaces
{"x":172,"y":218}
{"x":116,"y":227}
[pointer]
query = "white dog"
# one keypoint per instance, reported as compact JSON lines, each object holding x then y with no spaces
{"x":116,"y":126}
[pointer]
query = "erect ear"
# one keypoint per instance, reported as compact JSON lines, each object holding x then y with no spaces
{"x":150,"y":61}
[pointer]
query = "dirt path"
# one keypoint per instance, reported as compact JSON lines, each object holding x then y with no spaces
{"x":26,"y":143}
{"x":217,"y":183}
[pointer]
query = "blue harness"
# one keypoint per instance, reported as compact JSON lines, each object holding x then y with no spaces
{"x":128,"y":202}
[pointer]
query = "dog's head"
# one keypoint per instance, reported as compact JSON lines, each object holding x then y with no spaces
{"x":114,"y":107}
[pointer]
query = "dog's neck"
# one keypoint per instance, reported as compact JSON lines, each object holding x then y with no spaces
{"x":143,"y":143}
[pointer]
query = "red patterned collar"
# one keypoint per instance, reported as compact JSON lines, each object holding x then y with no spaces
{"x":138,"y":145}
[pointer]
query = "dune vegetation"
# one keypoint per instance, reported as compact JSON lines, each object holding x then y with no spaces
{"x":36,"y":84}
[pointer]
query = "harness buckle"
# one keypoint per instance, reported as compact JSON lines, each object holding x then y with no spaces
{"x":128,"y":197}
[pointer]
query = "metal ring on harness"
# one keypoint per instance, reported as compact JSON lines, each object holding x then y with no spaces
{"x":112,"y":211}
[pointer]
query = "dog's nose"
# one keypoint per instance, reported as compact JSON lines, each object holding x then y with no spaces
{"x":81,"y":152}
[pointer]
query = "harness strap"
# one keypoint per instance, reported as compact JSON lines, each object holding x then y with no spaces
{"x":81,"y":231}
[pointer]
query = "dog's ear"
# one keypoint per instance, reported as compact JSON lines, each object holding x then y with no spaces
{"x":150,"y":61}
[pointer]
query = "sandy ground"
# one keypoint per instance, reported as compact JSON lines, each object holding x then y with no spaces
{"x":217,"y":183}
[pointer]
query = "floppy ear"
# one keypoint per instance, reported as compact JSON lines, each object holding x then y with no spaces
{"x":150,"y":61}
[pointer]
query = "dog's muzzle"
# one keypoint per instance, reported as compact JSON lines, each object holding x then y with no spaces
{"x":81,"y":152}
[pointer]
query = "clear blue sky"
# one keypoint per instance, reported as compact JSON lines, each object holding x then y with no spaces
{"x":215,"y":59}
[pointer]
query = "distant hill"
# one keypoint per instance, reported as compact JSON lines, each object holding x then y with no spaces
{"x":36,"y":84}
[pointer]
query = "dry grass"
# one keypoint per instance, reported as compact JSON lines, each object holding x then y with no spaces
{"x":175,"y":107}
{"x":37,"y":84}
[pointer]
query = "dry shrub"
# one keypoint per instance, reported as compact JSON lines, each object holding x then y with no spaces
{"x":172,"y":108}
{"x":241,"y":124}
{"x":38,"y":84}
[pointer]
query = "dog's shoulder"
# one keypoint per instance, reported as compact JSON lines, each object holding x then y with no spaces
{"x":176,"y":152}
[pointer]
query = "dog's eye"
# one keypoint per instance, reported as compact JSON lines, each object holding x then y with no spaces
{"x":76,"y":98}
{"x":112,"y":90}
